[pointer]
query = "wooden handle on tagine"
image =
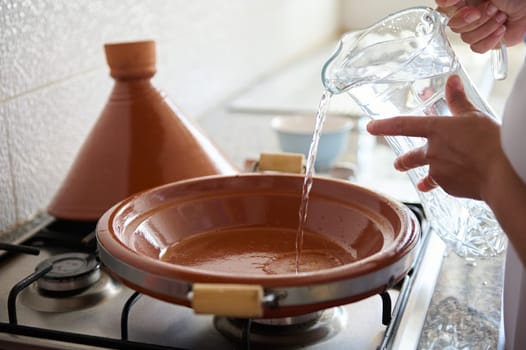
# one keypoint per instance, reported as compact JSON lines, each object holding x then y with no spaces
{"x":283,"y":162}
{"x":234,"y":300}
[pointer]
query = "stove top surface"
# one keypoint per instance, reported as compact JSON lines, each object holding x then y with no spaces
{"x":80,"y":305}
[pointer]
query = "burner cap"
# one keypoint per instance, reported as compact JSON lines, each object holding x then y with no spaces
{"x":70,"y":272}
{"x":290,"y":331}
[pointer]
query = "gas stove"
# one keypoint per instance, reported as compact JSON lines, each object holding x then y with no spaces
{"x":55,"y":294}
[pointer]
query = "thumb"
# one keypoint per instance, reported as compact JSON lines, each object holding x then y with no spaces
{"x":456,"y":96}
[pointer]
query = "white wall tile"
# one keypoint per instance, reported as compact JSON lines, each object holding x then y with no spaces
{"x":208,"y":46}
{"x":44,"y":41}
{"x":7,"y":199}
{"x":54,"y":79}
{"x":46,"y":130}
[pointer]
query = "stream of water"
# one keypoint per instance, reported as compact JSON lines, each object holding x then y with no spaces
{"x":323,"y":107}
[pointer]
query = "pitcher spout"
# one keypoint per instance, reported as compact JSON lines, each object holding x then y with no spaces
{"x":333,"y":78}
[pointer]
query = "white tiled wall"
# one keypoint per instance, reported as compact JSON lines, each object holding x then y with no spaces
{"x":54,"y":80}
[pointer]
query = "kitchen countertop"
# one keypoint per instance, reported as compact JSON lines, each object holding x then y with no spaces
{"x":465,"y":310}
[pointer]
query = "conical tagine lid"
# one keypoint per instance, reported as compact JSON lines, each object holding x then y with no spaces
{"x":141,"y":140}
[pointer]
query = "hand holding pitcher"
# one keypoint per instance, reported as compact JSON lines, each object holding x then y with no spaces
{"x":484,"y":24}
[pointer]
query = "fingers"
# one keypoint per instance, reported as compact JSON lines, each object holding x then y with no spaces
{"x":426,"y":184}
{"x":482,"y":27}
{"x":456,"y":97}
{"x":447,"y":3}
{"x":402,"y":126}
{"x":486,"y":33}
{"x":469,"y":18}
{"x":449,"y":7}
{"x":412,"y":159}
{"x":466,"y":19}
{"x":413,"y":126}
{"x":489,"y":42}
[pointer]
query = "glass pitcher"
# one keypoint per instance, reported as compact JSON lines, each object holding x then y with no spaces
{"x":399,"y":66}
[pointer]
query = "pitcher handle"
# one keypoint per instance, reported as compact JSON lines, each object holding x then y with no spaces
{"x":499,"y":56}
{"x":499,"y":62}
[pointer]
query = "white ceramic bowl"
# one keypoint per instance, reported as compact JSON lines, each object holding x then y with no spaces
{"x":295,"y":135}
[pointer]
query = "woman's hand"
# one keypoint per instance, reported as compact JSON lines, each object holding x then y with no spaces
{"x":461,"y":151}
{"x":483,"y":23}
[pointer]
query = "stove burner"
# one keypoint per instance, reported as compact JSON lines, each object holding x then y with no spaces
{"x":71,"y":272}
{"x":101,"y":290}
{"x":74,"y":282}
{"x":290,"y":331}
